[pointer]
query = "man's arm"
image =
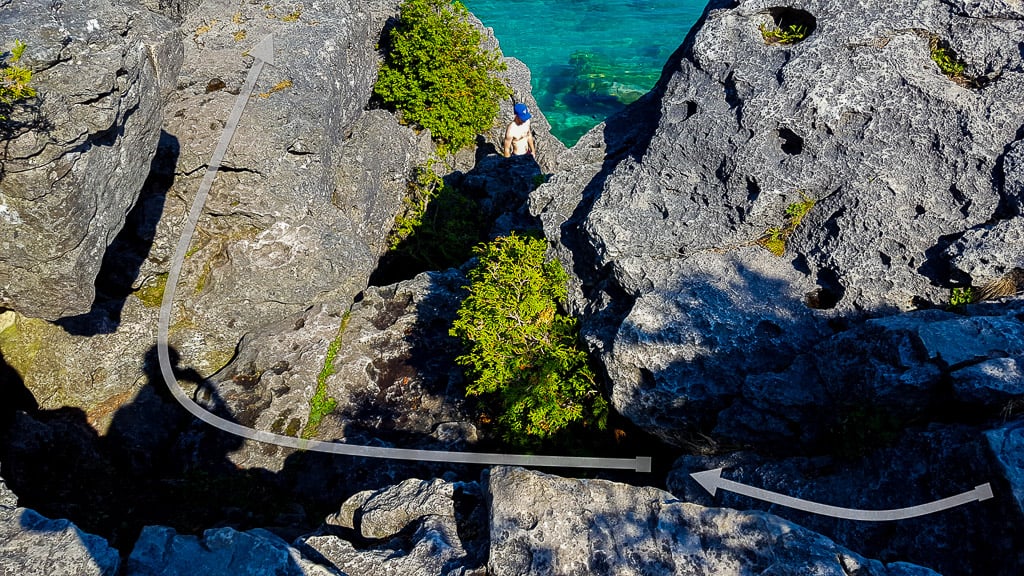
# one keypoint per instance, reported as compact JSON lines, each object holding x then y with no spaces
{"x":508,"y":143}
{"x":531,"y":147}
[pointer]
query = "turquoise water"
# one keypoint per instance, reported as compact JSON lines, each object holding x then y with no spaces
{"x":588,"y":58}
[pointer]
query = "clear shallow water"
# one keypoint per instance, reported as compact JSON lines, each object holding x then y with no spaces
{"x":588,"y":58}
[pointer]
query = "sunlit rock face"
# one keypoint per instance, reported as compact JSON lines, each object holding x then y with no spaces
{"x":74,"y":159}
{"x":882,"y":182}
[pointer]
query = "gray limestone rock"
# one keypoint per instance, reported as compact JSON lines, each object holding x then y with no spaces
{"x":161,"y":551}
{"x":898,"y":365}
{"x":661,"y":212}
{"x":32,"y":545}
{"x":73,"y":160}
{"x":884,"y":466}
{"x":1007,"y":445}
{"x":435,"y":549}
{"x":989,"y":253}
{"x":8,"y":499}
{"x":421,"y":525}
{"x":300,"y":211}
{"x":990,"y":383}
{"x":392,"y":374}
{"x":346,"y":515}
{"x":389,"y":511}
{"x":542,"y":524}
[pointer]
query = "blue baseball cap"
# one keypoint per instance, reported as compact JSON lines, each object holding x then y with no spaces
{"x":522,"y":112}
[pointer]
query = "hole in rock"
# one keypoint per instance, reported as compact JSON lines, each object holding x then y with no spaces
{"x":829,"y":291}
{"x":753,"y":189}
{"x":792,"y":143}
{"x":786,"y":19}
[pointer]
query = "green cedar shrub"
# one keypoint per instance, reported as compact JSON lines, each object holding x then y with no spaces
{"x":523,"y":355}
{"x":438,"y":76}
{"x":14,"y":80}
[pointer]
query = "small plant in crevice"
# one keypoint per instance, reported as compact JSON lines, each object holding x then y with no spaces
{"x":522,"y":355}
{"x":774,"y":238}
{"x":539,"y":180}
{"x":321,"y":404}
{"x":961,"y":296}
{"x":420,"y":189}
{"x":947,"y":61}
{"x":789,"y":34}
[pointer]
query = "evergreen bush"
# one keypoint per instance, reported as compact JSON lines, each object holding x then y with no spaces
{"x":436,"y":73}
{"x":14,"y":80}
{"x":522,"y":353}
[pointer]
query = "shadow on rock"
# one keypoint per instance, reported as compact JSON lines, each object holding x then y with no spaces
{"x":155,"y":465}
{"x":126,"y":254}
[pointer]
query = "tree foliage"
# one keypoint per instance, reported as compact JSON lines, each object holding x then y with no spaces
{"x":14,"y":80}
{"x":436,"y":73}
{"x":522,"y":352}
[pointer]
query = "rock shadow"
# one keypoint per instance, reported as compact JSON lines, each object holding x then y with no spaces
{"x":124,"y":257}
{"x":488,"y":201}
{"x":154,"y":465}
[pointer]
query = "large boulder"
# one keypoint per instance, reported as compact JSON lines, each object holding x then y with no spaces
{"x":543,"y":524}
{"x":670,"y":208}
{"x":73,"y":160}
{"x":318,"y":200}
{"x":300,"y":211}
{"x":416,"y":527}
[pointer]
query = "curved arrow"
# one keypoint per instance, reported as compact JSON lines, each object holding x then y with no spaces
{"x":711,"y":480}
{"x":264,"y":53}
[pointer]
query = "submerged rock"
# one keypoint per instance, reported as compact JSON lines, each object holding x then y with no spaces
{"x":74,"y":159}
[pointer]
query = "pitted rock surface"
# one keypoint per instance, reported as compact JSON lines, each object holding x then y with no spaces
{"x":680,"y":301}
{"x":542,"y":524}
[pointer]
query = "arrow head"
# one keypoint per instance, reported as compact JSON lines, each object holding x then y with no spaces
{"x":983,"y":492}
{"x":264,"y":50}
{"x":710,"y":480}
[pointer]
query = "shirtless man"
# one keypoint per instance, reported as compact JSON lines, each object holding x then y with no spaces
{"x":518,"y":135}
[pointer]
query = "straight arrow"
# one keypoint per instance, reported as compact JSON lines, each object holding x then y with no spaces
{"x":711,"y":480}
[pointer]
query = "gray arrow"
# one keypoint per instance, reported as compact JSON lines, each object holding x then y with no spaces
{"x":711,"y":480}
{"x":264,"y":53}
